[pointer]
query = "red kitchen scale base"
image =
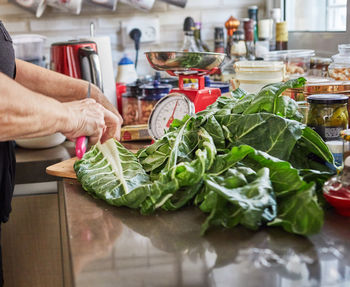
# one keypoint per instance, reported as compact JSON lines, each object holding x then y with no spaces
{"x":200,"y":96}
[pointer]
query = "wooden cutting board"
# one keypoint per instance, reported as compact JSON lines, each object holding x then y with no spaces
{"x":65,"y":168}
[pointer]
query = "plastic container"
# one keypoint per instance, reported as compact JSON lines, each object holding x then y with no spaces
{"x":130,"y":104}
{"x":253,"y":75}
{"x":297,"y":61}
{"x":339,"y":69}
{"x":30,"y":48}
{"x":151,"y":95}
{"x":328,"y":115}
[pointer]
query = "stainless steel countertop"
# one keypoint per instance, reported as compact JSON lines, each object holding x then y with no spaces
{"x":112,"y":246}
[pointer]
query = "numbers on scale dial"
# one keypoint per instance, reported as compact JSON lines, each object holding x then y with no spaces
{"x":172,"y":107}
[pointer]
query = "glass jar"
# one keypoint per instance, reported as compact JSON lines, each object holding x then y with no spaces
{"x":253,"y":75}
{"x":319,"y":66}
{"x":328,"y":115}
{"x":130,"y":104}
{"x":340,"y":67}
{"x":151,"y":95}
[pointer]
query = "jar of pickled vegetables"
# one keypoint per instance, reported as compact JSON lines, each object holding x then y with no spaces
{"x":328,"y":115}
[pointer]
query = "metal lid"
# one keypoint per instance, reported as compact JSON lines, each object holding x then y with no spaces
{"x":327,"y":99}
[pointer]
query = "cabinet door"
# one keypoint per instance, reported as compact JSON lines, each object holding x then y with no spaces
{"x":31,"y":243}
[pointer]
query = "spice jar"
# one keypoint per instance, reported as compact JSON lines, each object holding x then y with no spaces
{"x":151,"y":95}
{"x":130,"y":104}
{"x":328,"y":115}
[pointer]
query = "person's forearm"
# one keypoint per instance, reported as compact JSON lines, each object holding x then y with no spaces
{"x":56,"y":85}
{"x":50,"y":83}
{"x":24,"y":113}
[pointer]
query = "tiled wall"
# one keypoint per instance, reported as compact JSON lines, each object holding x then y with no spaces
{"x":59,"y":26}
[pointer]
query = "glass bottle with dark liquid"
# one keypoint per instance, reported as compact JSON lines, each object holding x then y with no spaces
{"x":281,"y":36}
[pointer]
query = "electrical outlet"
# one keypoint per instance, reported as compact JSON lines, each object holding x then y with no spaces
{"x":149,"y":28}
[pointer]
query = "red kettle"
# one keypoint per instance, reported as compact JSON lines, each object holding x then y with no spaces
{"x":77,"y":59}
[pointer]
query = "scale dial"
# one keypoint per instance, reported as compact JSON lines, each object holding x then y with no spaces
{"x":172,"y":106}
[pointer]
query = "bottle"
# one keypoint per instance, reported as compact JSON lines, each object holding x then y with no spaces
{"x":231,"y":26}
{"x":262,"y":46}
{"x":126,"y":71}
{"x":219,"y":46}
{"x":202,"y":47}
{"x":281,"y":36}
{"x":253,"y":15}
{"x":248,"y":25}
{"x":189,"y":44}
{"x":275,"y":14}
{"x":238,"y":53}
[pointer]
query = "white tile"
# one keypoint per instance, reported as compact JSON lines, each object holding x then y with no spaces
{"x":219,"y":17}
{"x":16,"y":27}
{"x":198,"y":5}
{"x":177,"y":17}
{"x":7,"y":10}
{"x":109,"y":22}
{"x":245,"y":3}
{"x":63,"y":24}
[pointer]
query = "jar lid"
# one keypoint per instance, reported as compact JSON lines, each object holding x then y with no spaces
{"x":133,"y":90}
{"x":155,"y":91}
{"x":327,"y":99}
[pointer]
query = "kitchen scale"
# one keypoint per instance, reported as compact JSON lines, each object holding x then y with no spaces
{"x":189,"y":98}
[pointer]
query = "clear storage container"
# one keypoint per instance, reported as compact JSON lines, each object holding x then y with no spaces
{"x":253,"y":75}
{"x":130,"y":104}
{"x":152,"y":93}
{"x":297,"y":61}
{"x":339,"y":69}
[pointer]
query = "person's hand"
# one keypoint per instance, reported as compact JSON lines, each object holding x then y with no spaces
{"x":97,"y":94}
{"x":88,"y":118}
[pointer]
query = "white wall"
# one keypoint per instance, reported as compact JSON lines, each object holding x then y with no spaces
{"x":58,"y":26}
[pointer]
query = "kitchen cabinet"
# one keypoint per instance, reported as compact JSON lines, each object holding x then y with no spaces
{"x":31,"y":241}
{"x":34,"y":239}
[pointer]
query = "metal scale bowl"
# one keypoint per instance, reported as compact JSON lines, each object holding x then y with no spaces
{"x":183,"y":100}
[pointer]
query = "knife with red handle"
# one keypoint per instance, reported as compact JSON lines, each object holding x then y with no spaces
{"x":82,"y":142}
{"x":81,"y":146}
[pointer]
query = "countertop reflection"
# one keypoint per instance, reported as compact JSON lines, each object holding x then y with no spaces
{"x":118,"y":247}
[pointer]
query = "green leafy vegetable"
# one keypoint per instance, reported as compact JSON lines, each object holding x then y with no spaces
{"x":246,"y":159}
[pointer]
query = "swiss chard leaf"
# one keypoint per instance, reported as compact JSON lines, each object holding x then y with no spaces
{"x":252,"y":204}
{"x":300,"y":213}
{"x":266,"y":132}
{"x":267,"y":99}
{"x":113,"y":173}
